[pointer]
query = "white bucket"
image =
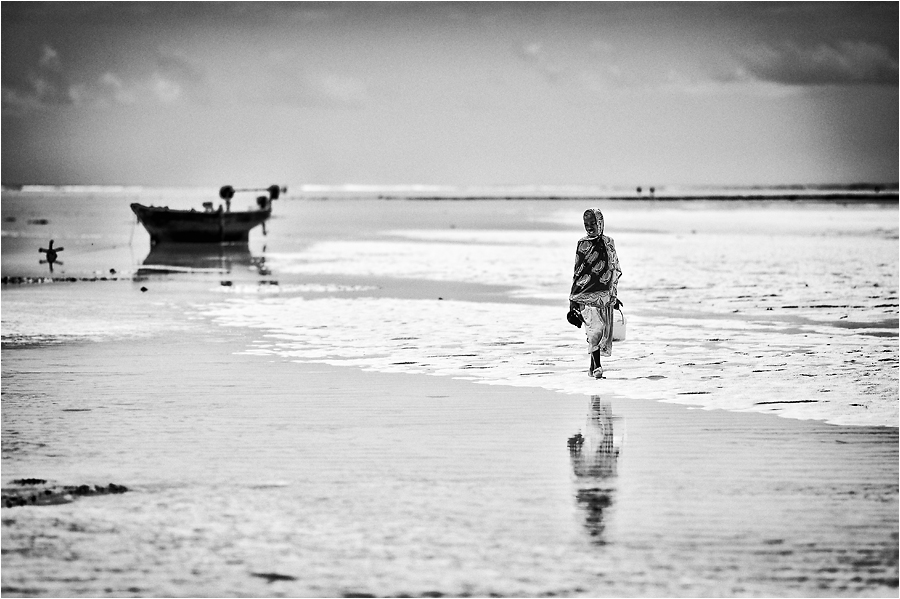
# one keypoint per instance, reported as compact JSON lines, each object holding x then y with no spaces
{"x":619,"y":325}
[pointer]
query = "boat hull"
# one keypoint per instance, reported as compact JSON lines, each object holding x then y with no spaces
{"x":191,"y":226}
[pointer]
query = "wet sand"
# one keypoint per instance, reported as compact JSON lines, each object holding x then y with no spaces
{"x":346,"y":482}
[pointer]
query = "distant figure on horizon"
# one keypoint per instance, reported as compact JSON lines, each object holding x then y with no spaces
{"x":594,"y":288}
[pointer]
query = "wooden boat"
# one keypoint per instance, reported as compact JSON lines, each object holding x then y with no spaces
{"x":207,"y":226}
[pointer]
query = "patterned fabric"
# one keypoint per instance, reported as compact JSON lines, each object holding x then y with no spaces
{"x":597,"y":269}
{"x":594,"y":286}
{"x":598,"y":328}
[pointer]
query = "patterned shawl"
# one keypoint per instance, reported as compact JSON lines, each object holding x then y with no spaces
{"x":597,"y":269}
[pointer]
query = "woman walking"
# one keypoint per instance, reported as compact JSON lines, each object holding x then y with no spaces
{"x":593,"y":294}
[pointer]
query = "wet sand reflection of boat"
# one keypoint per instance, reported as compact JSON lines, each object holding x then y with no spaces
{"x":168,"y":258}
{"x":207,"y":226}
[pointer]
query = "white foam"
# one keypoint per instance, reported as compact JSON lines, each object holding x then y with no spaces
{"x":526,"y":345}
{"x":275,"y":289}
{"x":787,"y":310}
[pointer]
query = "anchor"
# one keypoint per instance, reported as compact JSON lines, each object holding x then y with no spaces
{"x":52,"y":254}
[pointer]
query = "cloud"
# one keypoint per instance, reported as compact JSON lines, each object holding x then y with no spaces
{"x":165,"y":78}
{"x":757,"y":69}
{"x":318,"y":89}
{"x":288,"y":83}
{"x":340,"y":89}
{"x":117,"y":89}
{"x":735,"y":83}
{"x":611,"y":82}
{"x":165,"y":90}
{"x":17,"y":102}
{"x":306,"y":89}
{"x":49,"y":58}
{"x":111,"y":89}
{"x":38,"y":87}
{"x":179,"y":71}
{"x":840,"y":63}
{"x":537,"y":58}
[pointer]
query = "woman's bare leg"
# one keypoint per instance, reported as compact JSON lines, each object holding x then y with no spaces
{"x":595,"y":362}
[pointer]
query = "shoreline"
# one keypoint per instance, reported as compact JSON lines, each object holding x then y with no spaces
{"x":851,"y":198}
{"x":885,"y":195}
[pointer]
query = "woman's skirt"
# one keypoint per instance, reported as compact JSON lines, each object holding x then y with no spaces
{"x":598,"y":321}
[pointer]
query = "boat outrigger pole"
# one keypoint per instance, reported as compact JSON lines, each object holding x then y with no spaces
{"x":227,"y":192}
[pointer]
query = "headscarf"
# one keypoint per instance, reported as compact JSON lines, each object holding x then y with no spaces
{"x":599,"y":216}
{"x":596,"y":267}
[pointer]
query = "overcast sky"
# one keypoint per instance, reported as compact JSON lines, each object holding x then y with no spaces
{"x":585,"y":93}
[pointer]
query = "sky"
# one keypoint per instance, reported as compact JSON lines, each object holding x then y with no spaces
{"x":458,"y":94}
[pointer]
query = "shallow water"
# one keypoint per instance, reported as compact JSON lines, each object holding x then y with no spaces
{"x":780,"y":307}
{"x":268,"y":411}
{"x":763,"y":309}
{"x":342,"y":482}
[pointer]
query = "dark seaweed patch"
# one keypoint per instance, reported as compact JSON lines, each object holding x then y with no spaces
{"x":53,"y":495}
{"x":764,"y":403}
{"x":273,"y":576}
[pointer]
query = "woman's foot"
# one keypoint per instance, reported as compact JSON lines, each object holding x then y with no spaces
{"x":596,"y":370}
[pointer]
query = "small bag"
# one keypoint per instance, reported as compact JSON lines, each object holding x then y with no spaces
{"x":619,"y":322}
{"x":574,"y":318}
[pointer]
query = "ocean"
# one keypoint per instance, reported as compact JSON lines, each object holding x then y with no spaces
{"x":381,"y":396}
{"x":753,"y":305}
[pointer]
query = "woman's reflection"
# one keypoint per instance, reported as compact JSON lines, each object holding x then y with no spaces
{"x":594,"y":454}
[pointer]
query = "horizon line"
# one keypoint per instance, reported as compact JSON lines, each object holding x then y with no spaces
{"x":441,"y":188}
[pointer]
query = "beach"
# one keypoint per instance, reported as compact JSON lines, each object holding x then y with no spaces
{"x":381,"y":397}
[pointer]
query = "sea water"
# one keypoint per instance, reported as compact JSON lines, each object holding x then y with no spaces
{"x":788,"y":309}
{"x":268,"y":408}
{"x":770,"y":306}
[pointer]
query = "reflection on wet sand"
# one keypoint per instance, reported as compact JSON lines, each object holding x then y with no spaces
{"x":594,"y":454}
{"x":191,"y":257}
